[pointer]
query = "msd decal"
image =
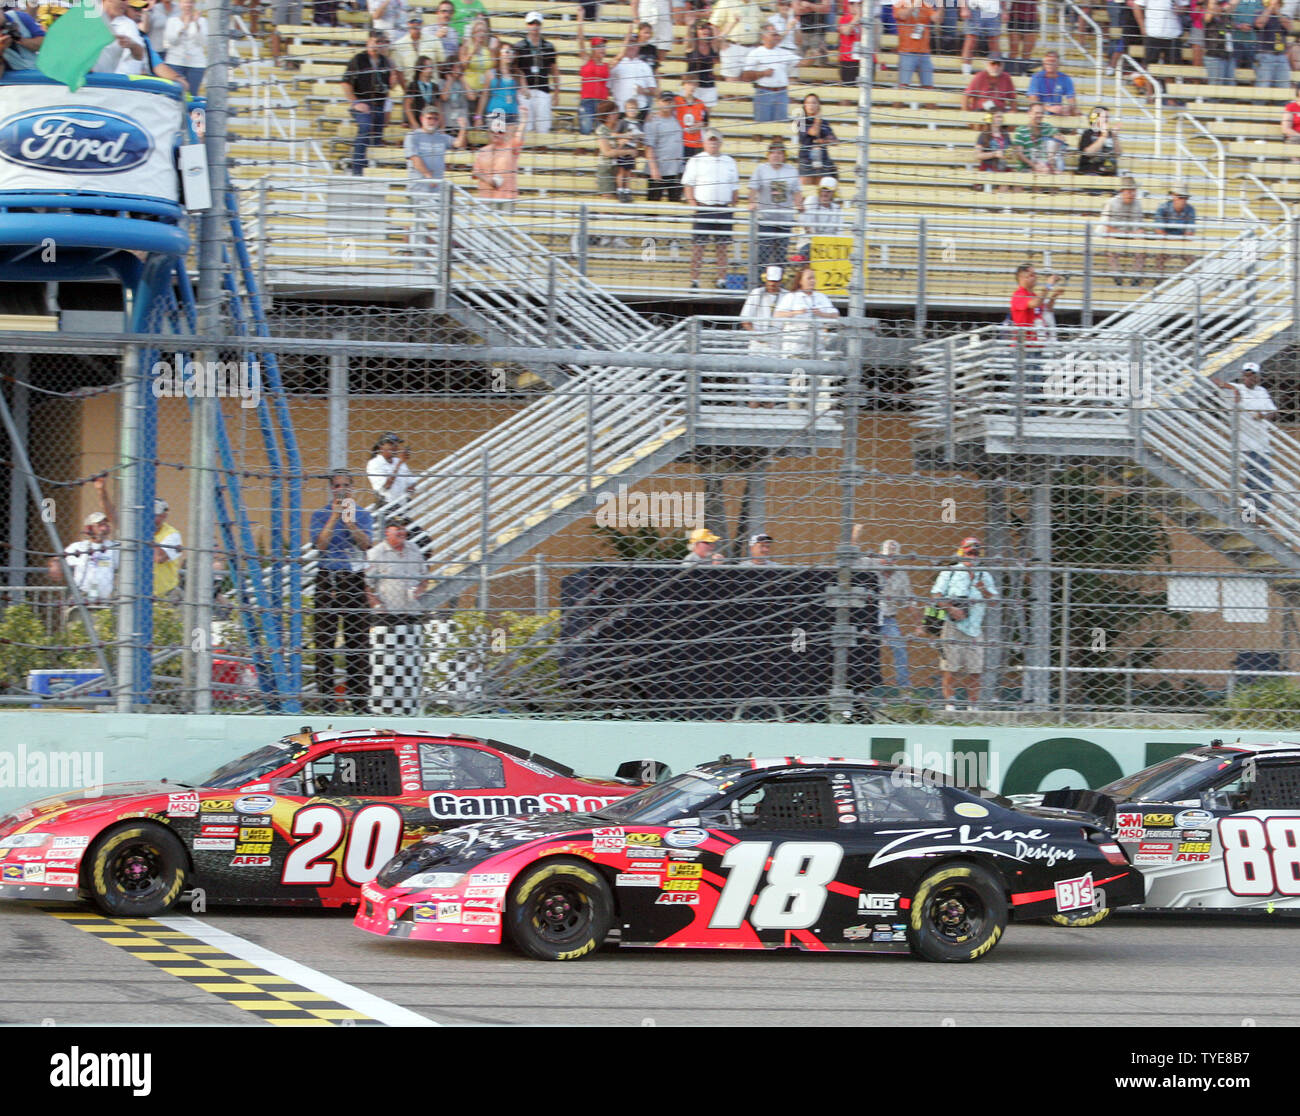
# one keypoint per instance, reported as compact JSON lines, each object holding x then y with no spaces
{"x":73,"y":140}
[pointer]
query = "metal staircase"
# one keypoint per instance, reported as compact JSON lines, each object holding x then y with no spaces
{"x":1136,"y":394}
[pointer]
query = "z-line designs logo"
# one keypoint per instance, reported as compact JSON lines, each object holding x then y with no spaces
{"x":1027,"y":845}
{"x":70,"y":139}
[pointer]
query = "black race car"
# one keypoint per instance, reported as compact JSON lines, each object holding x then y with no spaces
{"x":1215,"y":828}
{"x":757,"y":854}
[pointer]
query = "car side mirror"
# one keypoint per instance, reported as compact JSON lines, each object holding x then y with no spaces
{"x":716,"y":819}
{"x":290,"y":784}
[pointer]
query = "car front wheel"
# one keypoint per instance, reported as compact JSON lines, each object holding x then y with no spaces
{"x":958,"y":914}
{"x":137,"y":871}
{"x":559,"y":910}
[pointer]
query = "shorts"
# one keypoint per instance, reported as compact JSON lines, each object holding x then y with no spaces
{"x":1196,"y":37}
{"x":959,"y":653}
{"x":1022,"y":19}
{"x":286,"y":11}
{"x":604,"y":176}
{"x":983,"y":23}
{"x":712,"y":223}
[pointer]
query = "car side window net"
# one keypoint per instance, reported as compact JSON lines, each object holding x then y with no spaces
{"x":450,"y":767}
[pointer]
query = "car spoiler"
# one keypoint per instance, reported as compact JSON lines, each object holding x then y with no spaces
{"x":1098,"y":805}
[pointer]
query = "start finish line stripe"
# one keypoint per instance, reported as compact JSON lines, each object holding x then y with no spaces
{"x":273,"y":988}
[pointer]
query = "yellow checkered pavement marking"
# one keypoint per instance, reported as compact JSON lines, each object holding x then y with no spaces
{"x":274,"y":999}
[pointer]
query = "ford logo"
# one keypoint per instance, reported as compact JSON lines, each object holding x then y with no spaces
{"x":71,"y":140}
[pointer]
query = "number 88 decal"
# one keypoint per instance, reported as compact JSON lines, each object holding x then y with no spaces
{"x":374,"y":839}
{"x":1261,"y":856}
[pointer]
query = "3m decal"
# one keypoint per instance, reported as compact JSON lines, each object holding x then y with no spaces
{"x":182,"y":805}
{"x":796,"y":884}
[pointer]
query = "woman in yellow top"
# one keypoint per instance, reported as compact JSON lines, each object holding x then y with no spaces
{"x":476,"y":61}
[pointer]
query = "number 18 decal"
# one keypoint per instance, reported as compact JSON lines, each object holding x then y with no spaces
{"x":1261,"y":856}
{"x":796,"y":885}
{"x":374,"y":839}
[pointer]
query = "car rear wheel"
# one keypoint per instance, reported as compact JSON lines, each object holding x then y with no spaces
{"x":958,"y":914}
{"x":559,"y":910}
{"x":137,"y":871}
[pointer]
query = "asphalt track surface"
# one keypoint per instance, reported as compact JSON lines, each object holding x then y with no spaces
{"x":1148,"y":970}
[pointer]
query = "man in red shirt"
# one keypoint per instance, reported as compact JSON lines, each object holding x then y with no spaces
{"x":992,"y":90}
{"x":594,"y":75}
{"x":692,"y":115}
{"x":1291,"y":120}
{"x":1027,"y":313}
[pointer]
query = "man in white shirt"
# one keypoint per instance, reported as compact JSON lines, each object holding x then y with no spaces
{"x":776,"y":200}
{"x":736,"y":26}
{"x":769,"y":66}
{"x":1161,"y":30}
{"x":127,"y":54}
{"x":387,"y":471}
{"x":1252,"y":433}
{"x":93,"y":561}
{"x":387,"y":15}
{"x":757,"y":317}
{"x":631,"y":76}
{"x":824,"y":217}
{"x":711,"y":182}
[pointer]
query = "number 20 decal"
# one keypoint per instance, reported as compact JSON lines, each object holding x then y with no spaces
{"x":796,"y":885}
{"x":374,"y":839}
{"x":1261,"y":856}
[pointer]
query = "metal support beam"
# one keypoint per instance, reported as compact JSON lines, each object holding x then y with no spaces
{"x":16,"y":566}
{"x":1038,"y":655}
{"x":338,"y":405}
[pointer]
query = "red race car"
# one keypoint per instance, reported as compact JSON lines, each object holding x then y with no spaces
{"x":304,"y":821}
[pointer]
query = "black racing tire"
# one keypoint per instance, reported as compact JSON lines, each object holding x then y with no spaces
{"x":559,"y":910}
{"x":958,"y":914}
{"x":137,"y":870}
{"x":1080,"y":918}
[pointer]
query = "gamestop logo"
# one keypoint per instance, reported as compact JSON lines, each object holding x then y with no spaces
{"x":73,"y":140}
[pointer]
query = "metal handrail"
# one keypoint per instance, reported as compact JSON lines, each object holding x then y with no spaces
{"x":1221,"y":156}
{"x":1123,"y":95}
{"x":1099,"y":56}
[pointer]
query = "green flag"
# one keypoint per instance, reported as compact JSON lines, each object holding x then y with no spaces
{"x":73,"y":43}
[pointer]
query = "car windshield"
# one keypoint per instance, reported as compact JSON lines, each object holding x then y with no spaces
{"x":678,"y":797}
{"x":1177,"y":778}
{"x":248,"y":768}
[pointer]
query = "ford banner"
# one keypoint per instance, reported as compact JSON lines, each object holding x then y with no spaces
{"x":110,"y":140}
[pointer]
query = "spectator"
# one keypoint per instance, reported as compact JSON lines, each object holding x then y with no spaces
{"x":1124,"y":34}
{"x":1161,"y":30}
{"x":607,"y":148}
{"x":1244,"y":38}
{"x":1122,"y":220}
{"x":94,"y":560}
{"x":757,"y":316}
{"x":712,"y":183}
{"x":127,"y":48}
{"x":20,"y":41}
{"x":630,"y":138}
{"x":503,"y":90}
{"x":1252,"y":434}
{"x":850,"y":53}
{"x":455,"y":97}
{"x":657,"y":16}
{"x":463,"y":15}
{"x":815,"y":137}
{"x":760,"y":551}
{"x":802,"y":310}
{"x":991,"y":90}
{"x":1031,"y":305}
{"x":814,"y":21}
{"x":1099,"y":147}
{"x":787,"y":24}
{"x":1272,"y":67}
{"x":993,"y":146}
{"x":396,"y":575}
{"x":157,"y":13}
{"x":388,"y":472}
{"x":737,"y":25}
{"x":646,"y":49}
{"x":1051,"y":88}
{"x":769,"y":66}
{"x":443,"y":33}
{"x":693,"y":116}
{"x":1035,"y":144}
{"x":496,"y":166}
{"x":1220,"y":58}
{"x":341,"y":532}
{"x":409,"y":43}
{"x":914,"y":19}
{"x":983,"y":21}
{"x":184,"y":40}
{"x":1176,"y":217}
{"x":631,"y":77}
{"x":423,"y":90}
{"x":665,"y":154}
{"x":138,"y":11}
{"x":703,"y":548}
{"x":388,"y":16}
{"x":894,"y":601}
{"x":1291,"y":119}
{"x":825,"y":217}
{"x":1196,"y":33}
{"x":366,"y":83}
{"x":167,"y":555}
{"x":476,"y":62}
{"x":776,"y":200}
{"x":1022,"y":34}
{"x":426,"y":160}
{"x":965,"y":593}
{"x":540,"y":65}
{"x":701,"y":58}
{"x":594,"y":78}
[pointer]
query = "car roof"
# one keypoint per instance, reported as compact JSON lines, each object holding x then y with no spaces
{"x":334,"y":736}
{"x":1271,"y":748}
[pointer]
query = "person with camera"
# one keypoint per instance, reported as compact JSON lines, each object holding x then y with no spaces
{"x":387,"y":471}
{"x":963,"y":592}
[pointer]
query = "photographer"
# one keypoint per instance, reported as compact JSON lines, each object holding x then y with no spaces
{"x":387,"y":471}
{"x":1099,"y":147}
{"x":963,"y":592}
{"x":20,"y":39}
